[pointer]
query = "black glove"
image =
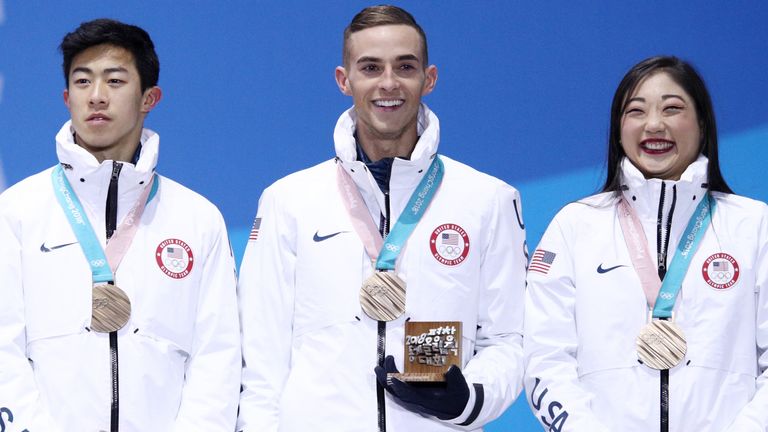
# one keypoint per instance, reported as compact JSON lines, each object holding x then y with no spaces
{"x":444,"y":400}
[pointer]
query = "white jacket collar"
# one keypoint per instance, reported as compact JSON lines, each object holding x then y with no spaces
{"x":406,"y":173}
{"x":90,"y":179}
{"x":696,"y":172}
{"x":644,"y":194}
{"x":428,"y":129}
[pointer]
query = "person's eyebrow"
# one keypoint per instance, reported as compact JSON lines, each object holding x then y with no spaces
{"x":635,"y":99}
{"x":107,"y":70}
{"x":407,"y":57}
{"x":81,"y":69}
{"x":404,"y":57}
{"x":672,"y":96}
{"x":368,"y":59}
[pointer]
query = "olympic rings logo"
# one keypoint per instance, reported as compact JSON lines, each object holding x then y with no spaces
{"x":449,"y":244}
{"x":451,"y":251}
{"x":175,"y":258}
{"x":98,"y":263}
{"x":176,"y":263}
{"x":666,"y":296}
{"x":720,"y":271}
{"x":392,"y":248}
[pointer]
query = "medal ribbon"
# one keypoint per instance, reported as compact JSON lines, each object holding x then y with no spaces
{"x":385,"y":252}
{"x":661,"y":296}
{"x":103,"y":265}
{"x":637,"y":246}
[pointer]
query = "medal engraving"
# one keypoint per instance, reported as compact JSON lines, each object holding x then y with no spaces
{"x":661,"y":345}
{"x":382,"y":296}
{"x":110,"y":310}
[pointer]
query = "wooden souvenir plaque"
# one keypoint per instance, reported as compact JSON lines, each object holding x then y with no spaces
{"x":431,"y":348}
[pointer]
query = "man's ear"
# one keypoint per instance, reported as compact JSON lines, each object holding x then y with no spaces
{"x":66,"y":97}
{"x":430,"y":81}
{"x":342,"y":80}
{"x":151,"y":98}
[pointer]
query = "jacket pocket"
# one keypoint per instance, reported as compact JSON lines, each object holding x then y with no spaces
{"x":328,"y":277}
{"x":57,"y":289}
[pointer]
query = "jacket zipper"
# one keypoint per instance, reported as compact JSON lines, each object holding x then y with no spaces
{"x":111,"y":216}
{"x":115,"y":408}
{"x":111,"y":226}
{"x":661,"y":251}
{"x":382,"y":330}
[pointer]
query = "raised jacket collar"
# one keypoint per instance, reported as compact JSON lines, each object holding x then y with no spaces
{"x":406,"y":173}
{"x":90,"y":179}
{"x":645,"y":196}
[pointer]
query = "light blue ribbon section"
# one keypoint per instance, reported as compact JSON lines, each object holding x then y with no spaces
{"x":81,"y":226}
{"x":411,"y":215}
{"x":690,"y":241}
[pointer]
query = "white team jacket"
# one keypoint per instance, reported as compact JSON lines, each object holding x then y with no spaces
{"x":583,"y":316}
{"x":179,"y":355}
{"x":310,"y":350}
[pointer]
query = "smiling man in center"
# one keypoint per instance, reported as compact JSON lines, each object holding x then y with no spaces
{"x":427,"y":238}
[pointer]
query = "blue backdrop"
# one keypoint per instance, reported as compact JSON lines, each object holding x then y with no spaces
{"x":523,"y":93}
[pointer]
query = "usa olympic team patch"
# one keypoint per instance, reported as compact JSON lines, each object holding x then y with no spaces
{"x":449,"y":244}
{"x":720,"y":271}
{"x":175,"y":258}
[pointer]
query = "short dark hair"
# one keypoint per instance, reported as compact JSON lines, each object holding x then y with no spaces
{"x":107,"y":31}
{"x":685,"y":75}
{"x":374,"y":16}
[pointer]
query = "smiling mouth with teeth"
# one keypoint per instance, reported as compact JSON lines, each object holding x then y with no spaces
{"x":388,"y":103}
{"x":657,"y":146}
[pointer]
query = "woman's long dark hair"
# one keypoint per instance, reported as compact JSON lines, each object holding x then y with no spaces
{"x":686,"y":77}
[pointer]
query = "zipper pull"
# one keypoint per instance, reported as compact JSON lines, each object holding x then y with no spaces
{"x":386,"y":218}
{"x":116,"y":167}
{"x":111,"y":205}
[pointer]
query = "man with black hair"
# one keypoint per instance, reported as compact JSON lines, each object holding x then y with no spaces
{"x":118,"y":288}
{"x":388,"y":223}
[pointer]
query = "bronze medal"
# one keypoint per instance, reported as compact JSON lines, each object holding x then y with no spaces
{"x":111,"y":309}
{"x":661,"y":344}
{"x":382,"y":296}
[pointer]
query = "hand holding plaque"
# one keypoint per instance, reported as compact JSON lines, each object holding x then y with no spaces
{"x":445,"y":400}
{"x":431,"y":348}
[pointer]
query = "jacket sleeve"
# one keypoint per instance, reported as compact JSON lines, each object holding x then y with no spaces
{"x":21,"y":406}
{"x":754,"y":415}
{"x":266,"y":293}
{"x":495,"y":373}
{"x":552,"y":384}
{"x":212,"y":376}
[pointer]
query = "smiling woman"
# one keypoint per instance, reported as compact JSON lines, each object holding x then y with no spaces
{"x":685,"y":330}
{"x":676,"y":101}
{"x":660,"y":131}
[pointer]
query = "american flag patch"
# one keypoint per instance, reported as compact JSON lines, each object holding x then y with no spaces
{"x":255,"y":230}
{"x":174,"y":252}
{"x":541,"y":261}
{"x":721,"y":266}
{"x":450,"y":239}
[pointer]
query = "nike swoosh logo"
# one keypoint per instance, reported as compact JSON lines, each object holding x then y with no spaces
{"x":602,"y":270}
{"x":319,"y":238}
{"x":48,"y":249}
